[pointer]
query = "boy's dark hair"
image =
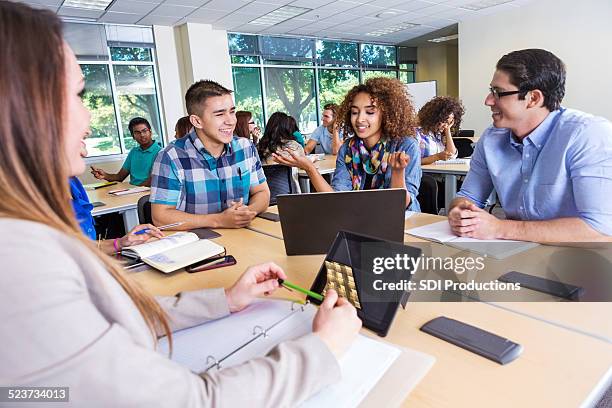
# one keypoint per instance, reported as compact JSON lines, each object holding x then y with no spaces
{"x":536,"y":69}
{"x":199,"y":92}
{"x":138,"y":121}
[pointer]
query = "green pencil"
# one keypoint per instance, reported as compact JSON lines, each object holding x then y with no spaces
{"x":290,"y":285}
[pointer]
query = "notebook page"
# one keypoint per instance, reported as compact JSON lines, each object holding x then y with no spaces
{"x":452,"y":161}
{"x":220,"y":337}
{"x":438,"y":232}
{"x":363,"y":365}
{"x":161,"y":245}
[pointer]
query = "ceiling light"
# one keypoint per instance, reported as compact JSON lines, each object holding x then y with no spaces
{"x":442,"y":39}
{"x":88,"y":4}
{"x":386,"y":14}
{"x":279,"y":15}
{"x":392,"y":29}
{"x":483,"y":4}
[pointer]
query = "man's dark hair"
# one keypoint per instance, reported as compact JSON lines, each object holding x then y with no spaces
{"x":198,"y":93}
{"x":138,"y":121}
{"x":536,"y":69}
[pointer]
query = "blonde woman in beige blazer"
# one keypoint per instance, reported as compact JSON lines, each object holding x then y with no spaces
{"x":68,"y":315}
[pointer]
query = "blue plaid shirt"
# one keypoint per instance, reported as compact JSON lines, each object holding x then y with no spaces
{"x":187,"y":176}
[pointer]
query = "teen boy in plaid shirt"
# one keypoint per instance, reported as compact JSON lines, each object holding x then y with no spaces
{"x":210,"y":178}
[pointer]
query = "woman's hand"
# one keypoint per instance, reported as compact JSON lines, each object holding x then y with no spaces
{"x":398,"y":161}
{"x":291,"y":158}
{"x":131,"y":238}
{"x":255,"y":281}
{"x":336,"y":323}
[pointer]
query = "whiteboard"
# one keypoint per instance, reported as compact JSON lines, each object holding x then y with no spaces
{"x":421,"y":93}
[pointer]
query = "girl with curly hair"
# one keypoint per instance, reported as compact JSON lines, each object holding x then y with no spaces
{"x":439,"y":119}
{"x":381,"y":151}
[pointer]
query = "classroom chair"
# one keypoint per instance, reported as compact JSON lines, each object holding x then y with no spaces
{"x":279,"y":180}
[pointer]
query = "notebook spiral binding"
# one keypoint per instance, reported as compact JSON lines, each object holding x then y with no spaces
{"x":258,"y":331}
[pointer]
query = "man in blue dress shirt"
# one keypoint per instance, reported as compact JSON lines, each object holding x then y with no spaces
{"x":551,"y":166}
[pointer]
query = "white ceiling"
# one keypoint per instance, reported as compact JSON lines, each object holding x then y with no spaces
{"x":338,"y":19}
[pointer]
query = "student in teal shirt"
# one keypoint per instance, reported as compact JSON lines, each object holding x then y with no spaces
{"x":140,"y":160}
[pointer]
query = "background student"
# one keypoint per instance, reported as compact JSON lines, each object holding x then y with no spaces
{"x":139,"y":161}
{"x":182,"y":127}
{"x":246,"y":126}
{"x":73,"y":316}
{"x":299,"y":137}
{"x":439,"y":119}
{"x":278,"y":136}
{"x":383,"y":152}
{"x":82,"y":209}
{"x":209,"y":178}
{"x":328,"y":135}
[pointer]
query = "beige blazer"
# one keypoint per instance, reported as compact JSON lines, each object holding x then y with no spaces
{"x":64,"y":321}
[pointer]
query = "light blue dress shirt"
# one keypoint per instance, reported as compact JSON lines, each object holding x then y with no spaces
{"x":562,"y":169}
{"x":322,"y":136}
{"x":342,"y":180}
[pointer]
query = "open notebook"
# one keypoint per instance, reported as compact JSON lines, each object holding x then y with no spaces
{"x":374,"y":373}
{"x":497,"y":248}
{"x":174,"y":252}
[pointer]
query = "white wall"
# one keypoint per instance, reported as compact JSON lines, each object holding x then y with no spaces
{"x":173,"y":104}
{"x":204,"y":54}
{"x":578,"y":32}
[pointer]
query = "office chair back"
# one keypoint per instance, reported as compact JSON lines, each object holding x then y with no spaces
{"x":428,"y":195}
{"x":144,"y":210}
{"x":279,"y":180}
{"x":466,"y":133}
{"x":464,"y":147}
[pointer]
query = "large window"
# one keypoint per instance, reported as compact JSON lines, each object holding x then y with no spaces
{"x":292,"y":91}
{"x":299,"y":76}
{"x":335,"y":83}
{"x":135,"y":86}
{"x":247,"y":85}
{"x":118,"y":64}
{"x":98,"y":98}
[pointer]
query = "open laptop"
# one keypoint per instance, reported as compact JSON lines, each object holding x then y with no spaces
{"x":310,"y":222}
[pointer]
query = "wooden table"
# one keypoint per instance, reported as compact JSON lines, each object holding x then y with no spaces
{"x":587,"y":317}
{"x":325,"y":166}
{"x":558,"y":367}
{"x":450,"y":172}
{"x":126,"y":205}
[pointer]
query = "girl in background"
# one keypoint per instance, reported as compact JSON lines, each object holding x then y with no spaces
{"x":382,"y":153}
{"x":439,"y":119}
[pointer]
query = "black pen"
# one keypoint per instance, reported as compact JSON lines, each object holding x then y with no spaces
{"x":240,"y":173}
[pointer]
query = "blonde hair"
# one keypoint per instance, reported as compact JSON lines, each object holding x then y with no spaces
{"x":33,"y":168}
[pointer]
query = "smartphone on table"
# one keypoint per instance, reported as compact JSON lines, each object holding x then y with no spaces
{"x":207,"y":264}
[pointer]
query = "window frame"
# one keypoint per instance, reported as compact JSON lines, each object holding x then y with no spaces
{"x":317,"y":66}
{"x":115,"y":97}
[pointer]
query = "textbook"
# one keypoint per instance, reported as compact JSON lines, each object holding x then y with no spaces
{"x":174,"y":252}
{"x":497,"y":248}
{"x":126,"y":191}
{"x":374,"y":373}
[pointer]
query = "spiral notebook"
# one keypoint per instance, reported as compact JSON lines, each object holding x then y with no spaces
{"x":374,"y":373}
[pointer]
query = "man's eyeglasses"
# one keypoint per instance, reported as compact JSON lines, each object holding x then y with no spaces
{"x":141,"y":132}
{"x":496,"y":94}
{"x":252,"y":122}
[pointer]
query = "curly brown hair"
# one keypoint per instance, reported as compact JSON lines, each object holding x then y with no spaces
{"x":394,"y":101}
{"x":437,"y":110}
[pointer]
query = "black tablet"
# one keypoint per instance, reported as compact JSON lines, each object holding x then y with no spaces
{"x":354,"y":268}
